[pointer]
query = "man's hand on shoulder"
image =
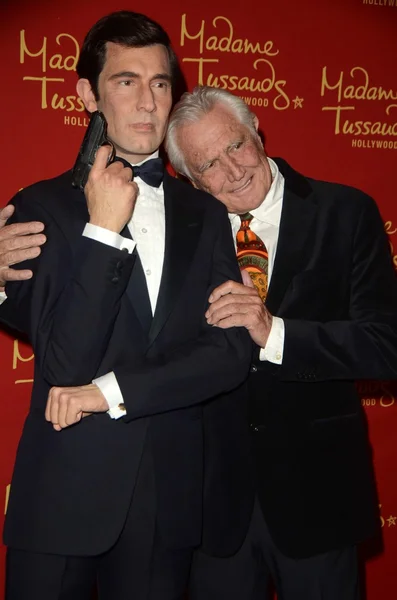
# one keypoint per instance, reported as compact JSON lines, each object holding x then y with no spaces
{"x":235,"y":304}
{"x":18,"y":242}
{"x":68,"y":405}
{"x":110,"y":193}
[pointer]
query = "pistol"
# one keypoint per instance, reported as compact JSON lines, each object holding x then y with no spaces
{"x":95,"y":137}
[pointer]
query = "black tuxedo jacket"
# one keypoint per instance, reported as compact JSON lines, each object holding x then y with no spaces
{"x":334,"y":285}
{"x":87,"y":312}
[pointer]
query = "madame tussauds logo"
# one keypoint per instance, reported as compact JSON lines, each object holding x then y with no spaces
{"x":349,"y":96}
{"x":48,"y":72}
{"x":209,"y":41}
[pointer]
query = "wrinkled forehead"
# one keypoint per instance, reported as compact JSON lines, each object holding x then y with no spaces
{"x":210,"y":136}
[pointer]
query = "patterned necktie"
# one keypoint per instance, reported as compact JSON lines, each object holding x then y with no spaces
{"x":252,"y":255}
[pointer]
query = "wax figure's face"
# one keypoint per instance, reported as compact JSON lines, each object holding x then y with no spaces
{"x":226,"y":159}
{"x":135,"y":96}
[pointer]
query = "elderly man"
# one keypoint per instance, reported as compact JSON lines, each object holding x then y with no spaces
{"x":319,"y":303}
{"x":320,"y":307}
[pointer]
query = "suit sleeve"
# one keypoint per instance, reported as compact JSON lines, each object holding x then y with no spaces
{"x":365,"y":345}
{"x":69,"y":307}
{"x":217,"y":362}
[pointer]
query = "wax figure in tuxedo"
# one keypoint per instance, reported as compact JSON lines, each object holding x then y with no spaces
{"x":132,"y":463}
{"x":329,"y":318}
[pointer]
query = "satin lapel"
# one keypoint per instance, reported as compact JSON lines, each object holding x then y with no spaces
{"x":294,"y":241}
{"x":183,"y":224}
{"x":137,"y":291}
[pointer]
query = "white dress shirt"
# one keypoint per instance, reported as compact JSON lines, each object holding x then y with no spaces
{"x":266,"y":224}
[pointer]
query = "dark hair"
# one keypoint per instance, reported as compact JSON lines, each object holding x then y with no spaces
{"x":129,"y":29}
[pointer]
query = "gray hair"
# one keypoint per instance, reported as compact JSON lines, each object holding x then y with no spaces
{"x":192,"y":107}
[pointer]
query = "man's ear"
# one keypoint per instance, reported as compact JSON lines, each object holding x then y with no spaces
{"x":256,"y":125}
{"x":85,"y":92}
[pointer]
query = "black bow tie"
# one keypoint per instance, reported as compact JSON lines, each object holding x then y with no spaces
{"x":151,"y":171}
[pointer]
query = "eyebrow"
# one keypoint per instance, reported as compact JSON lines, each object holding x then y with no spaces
{"x":132,"y":75}
{"x":201,"y":168}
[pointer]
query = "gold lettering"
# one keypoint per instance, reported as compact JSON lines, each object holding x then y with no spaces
{"x":282,"y":101}
{"x":338,"y":110}
{"x":237,"y":46}
{"x":225,"y":42}
{"x":8,"y":487}
{"x":387,"y":398}
{"x":372,"y":94}
{"x":358,"y":94}
{"x":70,"y":62}
{"x":388,"y":228}
{"x":55,"y":103}
{"x":23,"y":49}
{"x":184,"y":33}
{"x":325,"y":85}
{"x":201,"y":61}
{"x":268,"y":83}
{"x":382,"y":521}
{"x":43,"y":87}
{"x":17,"y":356}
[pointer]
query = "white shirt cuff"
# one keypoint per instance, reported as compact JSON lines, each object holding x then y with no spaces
{"x":110,"y":238}
{"x":3,"y":296}
{"x":111,"y":390}
{"x":273,"y":351}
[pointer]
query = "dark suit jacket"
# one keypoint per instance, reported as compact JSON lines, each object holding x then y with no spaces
{"x":334,"y":285}
{"x":87,"y":312}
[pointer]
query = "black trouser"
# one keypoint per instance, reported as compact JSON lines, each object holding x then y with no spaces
{"x":137,"y":567}
{"x":247,"y":575}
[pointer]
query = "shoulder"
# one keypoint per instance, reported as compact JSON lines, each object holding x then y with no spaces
{"x":53,"y":197}
{"x":198,"y":199}
{"x":328,"y":195}
{"x":347,"y":201}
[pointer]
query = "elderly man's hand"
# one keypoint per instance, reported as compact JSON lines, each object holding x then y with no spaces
{"x":235,"y":304}
{"x":68,"y":405}
{"x":18,"y":242}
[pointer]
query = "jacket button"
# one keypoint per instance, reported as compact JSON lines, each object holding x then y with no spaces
{"x":253,"y":369}
{"x":114,"y":279}
{"x":253,"y":427}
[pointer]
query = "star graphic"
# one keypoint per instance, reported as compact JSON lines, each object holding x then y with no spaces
{"x":298,"y":102}
{"x":391,"y":520}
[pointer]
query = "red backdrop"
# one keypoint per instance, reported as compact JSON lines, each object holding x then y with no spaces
{"x":320,"y":76}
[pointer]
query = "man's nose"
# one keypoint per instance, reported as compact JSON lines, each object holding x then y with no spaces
{"x":234,"y":171}
{"x":146,"y":99}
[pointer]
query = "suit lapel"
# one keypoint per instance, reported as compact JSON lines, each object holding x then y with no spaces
{"x":183,"y":224}
{"x":137,"y":291}
{"x":294,"y":241}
